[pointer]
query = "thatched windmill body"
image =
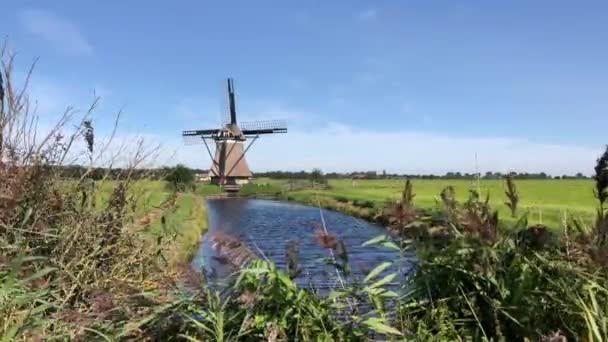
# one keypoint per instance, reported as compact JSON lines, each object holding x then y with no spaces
{"x":229,"y":166}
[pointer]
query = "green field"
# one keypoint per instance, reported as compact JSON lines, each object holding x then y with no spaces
{"x":545,"y":201}
{"x":147,"y":194}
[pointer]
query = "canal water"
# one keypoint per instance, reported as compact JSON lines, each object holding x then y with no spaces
{"x":266,"y":227}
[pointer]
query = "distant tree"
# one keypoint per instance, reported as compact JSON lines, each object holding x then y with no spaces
{"x":601,"y":183}
{"x":180,"y":178}
{"x":316,"y":176}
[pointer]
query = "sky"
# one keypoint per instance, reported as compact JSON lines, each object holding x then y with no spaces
{"x":402,"y":86}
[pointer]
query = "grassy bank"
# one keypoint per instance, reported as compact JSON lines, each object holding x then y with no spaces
{"x":545,"y":201}
{"x":159,"y":213}
{"x":185,"y":223}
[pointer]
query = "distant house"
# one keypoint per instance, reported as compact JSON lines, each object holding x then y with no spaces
{"x":202,"y":177}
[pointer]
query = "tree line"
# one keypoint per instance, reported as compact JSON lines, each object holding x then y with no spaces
{"x":315,"y":173}
{"x":77,"y":171}
{"x":97,"y":173}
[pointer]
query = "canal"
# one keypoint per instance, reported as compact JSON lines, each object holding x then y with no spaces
{"x":264,"y":228}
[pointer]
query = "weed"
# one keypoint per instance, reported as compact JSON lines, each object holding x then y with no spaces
{"x":291,"y":254}
{"x":512,"y":195}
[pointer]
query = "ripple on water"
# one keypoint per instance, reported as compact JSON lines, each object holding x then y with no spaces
{"x":267,"y":226}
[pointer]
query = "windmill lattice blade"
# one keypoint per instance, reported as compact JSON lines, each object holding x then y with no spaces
{"x":261,"y":127}
{"x":199,"y":132}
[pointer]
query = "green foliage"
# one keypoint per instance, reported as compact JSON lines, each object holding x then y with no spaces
{"x":363,"y":203}
{"x":316,"y":176}
{"x":180,"y":178}
{"x":485,"y":283}
{"x":341,"y":199}
{"x":22,"y":302}
{"x":601,"y":178}
{"x":263,"y":303}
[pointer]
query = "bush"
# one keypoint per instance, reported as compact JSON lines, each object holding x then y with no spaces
{"x":341,"y":199}
{"x":364,"y":204}
{"x":317,"y":176}
{"x":180,"y":178}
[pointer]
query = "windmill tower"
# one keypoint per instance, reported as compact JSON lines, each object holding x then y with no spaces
{"x":229,"y":167}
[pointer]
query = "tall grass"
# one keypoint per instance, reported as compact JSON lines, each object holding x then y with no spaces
{"x":69,"y":268}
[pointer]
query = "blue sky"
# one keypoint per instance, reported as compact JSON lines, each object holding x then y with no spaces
{"x":406,"y":86}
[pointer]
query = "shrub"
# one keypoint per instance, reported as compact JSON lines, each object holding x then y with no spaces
{"x":341,"y":199}
{"x":317,"y":176}
{"x":364,"y":204}
{"x":180,"y":178}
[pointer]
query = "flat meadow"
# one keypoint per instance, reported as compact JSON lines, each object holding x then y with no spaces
{"x":546,"y":202}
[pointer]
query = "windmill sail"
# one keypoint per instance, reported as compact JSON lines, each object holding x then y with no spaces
{"x":230,"y":167}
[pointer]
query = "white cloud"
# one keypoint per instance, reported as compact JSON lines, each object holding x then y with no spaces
{"x":338,"y":147}
{"x":59,"y":32}
{"x":367,"y":14}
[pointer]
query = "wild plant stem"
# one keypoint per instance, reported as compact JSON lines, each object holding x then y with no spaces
{"x":331,"y":252}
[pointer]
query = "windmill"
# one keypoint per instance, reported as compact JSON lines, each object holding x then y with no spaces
{"x":229,"y":167}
